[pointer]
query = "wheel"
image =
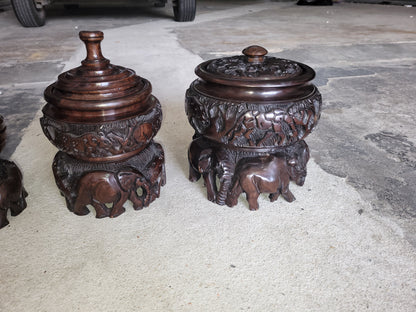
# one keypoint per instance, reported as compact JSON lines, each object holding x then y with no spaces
{"x":28,"y":14}
{"x":184,"y":10}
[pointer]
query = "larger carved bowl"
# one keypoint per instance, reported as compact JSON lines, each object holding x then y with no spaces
{"x":253,"y":100}
{"x":99,"y":111}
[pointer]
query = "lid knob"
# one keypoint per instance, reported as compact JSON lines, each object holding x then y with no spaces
{"x":255,"y":53}
{"x":92,"y":40}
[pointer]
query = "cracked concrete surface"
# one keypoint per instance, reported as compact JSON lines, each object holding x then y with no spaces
{"x":347,"y":243}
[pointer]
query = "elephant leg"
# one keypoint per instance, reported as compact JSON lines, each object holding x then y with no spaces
{"x":209,"y":180}
{"x":286,"y":193}
{"x":252,"y":200}
{"x":82,"y":199}
{"x":17,"y":207}
{"x":80,"y":208}
{"x":193,"y":174}
{"x":118,"y":208}
{"x":101,"y":210}
{"x":3,"y":218}
{"x":274,"y":196}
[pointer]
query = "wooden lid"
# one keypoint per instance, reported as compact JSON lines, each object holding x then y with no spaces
{"x":97,"y":91}
{"x":255,"y":69}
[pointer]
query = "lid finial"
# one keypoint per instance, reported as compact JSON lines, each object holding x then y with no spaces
{"x":255,"y":53}
{"x":92,"y":40}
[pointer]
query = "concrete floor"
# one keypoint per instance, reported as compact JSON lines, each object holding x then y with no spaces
{"x":363,"y":152}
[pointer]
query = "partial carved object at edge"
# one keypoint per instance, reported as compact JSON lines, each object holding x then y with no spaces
{"x":12,"y":193}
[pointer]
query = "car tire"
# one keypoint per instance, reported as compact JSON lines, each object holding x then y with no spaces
{"x":28,"y":14}
{"x":184,"y":10}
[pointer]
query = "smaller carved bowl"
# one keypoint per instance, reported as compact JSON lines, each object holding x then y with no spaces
{"x":99,"y":111}
{"x":253,"y":100}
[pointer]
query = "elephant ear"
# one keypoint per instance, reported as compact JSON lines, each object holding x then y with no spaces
{"x":206,"y":153}
{"x":126,"y":179}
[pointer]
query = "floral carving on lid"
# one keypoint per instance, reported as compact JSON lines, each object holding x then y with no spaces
{"x":237,"y":66}
{"x":254,"y":64}
{"x":254,"y":69}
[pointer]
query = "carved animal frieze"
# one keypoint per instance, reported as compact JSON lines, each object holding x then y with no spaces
{"x":118,"y":139}
{"x":252,"y":124}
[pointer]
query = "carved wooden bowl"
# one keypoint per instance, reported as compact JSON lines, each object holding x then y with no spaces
{"x":253,"y":100}
{"x":251,"y":114}
{"x":99,"y":111}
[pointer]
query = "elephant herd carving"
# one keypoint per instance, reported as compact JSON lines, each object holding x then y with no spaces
{"x":252,"y":172}
{"x":108,"y":186}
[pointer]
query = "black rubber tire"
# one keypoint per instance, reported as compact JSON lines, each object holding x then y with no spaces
{"x":184,"y":10}
{"x":27,"y":13}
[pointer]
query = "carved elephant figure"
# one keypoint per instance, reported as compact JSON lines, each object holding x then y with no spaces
{"x":269,"y":174}
{"x":65,"y":180}
{"x":156,"y":173}
{"x":12,"y":192}
{"x":101,"y":187}
{"x":298,"y":157}
{"x":201,"y":162}
{"x":225,"y":167}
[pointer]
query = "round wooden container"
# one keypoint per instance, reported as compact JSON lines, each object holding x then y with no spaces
{"x":103,"y":118}
{"x":253,"y":100}
{"x":250,"y":107}
{"x":99,"y":111}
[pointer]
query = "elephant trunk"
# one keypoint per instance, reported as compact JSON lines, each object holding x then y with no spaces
{"x":223,"y":192}
{"x":146,"y":197}
{"x":148,"y":194}
{"x":227,"y":171}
